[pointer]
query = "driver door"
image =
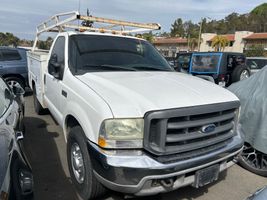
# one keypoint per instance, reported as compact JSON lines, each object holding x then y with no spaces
{"x":53,"y":84}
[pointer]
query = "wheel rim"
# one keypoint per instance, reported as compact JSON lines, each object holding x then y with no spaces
{"x":244,"y":75}
{"x":13,"y":83}
{"x":254,"y":158}
{"x":77,"y":163}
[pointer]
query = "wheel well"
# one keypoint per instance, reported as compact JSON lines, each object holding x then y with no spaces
{"x":33,"y":84}
{"x":70,"y":123}
{"x":15,"y":75}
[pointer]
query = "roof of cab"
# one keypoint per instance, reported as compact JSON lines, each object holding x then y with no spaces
{"x":101,"y":34}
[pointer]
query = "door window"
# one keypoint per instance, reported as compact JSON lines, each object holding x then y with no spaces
{"x":256,"y":63}
{"x":59,"y":50}
{"x":9,"y":55}
{"x":5,"y":97}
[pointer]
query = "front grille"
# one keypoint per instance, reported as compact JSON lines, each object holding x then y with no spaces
{"x":178,"y":133}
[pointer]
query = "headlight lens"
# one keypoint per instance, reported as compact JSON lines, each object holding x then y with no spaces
{"x":121,"y":133}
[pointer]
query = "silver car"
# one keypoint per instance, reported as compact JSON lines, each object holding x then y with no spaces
{"x":256,"y":63}
{"x":16,"y":181}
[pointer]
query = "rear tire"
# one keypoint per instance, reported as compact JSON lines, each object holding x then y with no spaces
{"x":12,"y":80}
{"x":37,"y":106}
{"x":253,"y":160}
{"x":240,"y":72}
{"x":80,"y":166}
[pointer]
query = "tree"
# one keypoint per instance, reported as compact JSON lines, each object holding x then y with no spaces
{"x":193,"y":44}
{"x":177,"y":29}
{"x":219,"y":43}
{"x":260,"y":15}
{"x":255,"y":51}
{"x":45,"y":44}
{"x":191,"y":29}
{"x":148,"y":36}
{"x":7,"y":39}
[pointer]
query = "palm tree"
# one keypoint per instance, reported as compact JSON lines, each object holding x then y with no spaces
{"x":193,"y":43}
{"x":219,"y":43}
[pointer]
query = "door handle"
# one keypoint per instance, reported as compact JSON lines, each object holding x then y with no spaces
{"x":44,"y":79}
{"x":64,"y":93}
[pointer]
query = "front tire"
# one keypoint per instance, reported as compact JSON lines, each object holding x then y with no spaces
{"x":80,"y":166}
{"x":14,"y":81}
{"x":253,"y":160}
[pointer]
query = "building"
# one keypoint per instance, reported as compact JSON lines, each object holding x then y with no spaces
{"x":170,"y":46}
{"x":236,"y":41}
{"x":256,"y":39}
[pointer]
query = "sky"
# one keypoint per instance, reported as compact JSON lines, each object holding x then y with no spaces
{"x":21,"y":17}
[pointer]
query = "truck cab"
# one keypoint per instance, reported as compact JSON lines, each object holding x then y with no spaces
{"x":132,"y":124}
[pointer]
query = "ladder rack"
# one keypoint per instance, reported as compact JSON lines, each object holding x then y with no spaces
{"x":65,"y":21}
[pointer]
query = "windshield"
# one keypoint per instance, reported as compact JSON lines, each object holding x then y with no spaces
{"x":96,"y":53}
{"x":205,"y":63}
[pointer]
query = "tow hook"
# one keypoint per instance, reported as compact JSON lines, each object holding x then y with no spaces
{"x":167,"y":183}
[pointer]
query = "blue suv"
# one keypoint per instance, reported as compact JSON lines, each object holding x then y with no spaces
{"x":13,"y":66}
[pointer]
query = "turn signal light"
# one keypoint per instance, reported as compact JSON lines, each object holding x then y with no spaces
{"x":102,"y":142}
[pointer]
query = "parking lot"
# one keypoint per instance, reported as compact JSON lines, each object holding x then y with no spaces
{"x":45,"y":147}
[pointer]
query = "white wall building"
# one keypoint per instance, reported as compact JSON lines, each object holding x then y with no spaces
{"x":236,"y":41}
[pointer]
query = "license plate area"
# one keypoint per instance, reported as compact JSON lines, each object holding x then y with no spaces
{"x":206,"y":176}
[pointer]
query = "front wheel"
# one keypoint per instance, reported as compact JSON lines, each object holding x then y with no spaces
{"x":15,"y":81}
{"x":80,"y":166}
{"x":253,"y":160}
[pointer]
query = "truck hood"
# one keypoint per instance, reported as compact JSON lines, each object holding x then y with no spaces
{"x":132,"y":94}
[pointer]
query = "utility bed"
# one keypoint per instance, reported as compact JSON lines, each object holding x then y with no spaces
{"x":37,"y":65}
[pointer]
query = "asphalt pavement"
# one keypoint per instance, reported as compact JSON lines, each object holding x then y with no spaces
{"x":46,"y":150}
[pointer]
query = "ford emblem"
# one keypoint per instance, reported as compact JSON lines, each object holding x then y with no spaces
{"x":208,"y":128}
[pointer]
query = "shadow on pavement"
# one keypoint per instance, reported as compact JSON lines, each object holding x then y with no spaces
{"x":50,"y":181}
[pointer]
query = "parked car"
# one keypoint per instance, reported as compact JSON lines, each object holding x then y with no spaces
{"x":253,"y":94}
{"x":182,"y":61}
{"x":256,"y":63}
{"x":171,"y":61}
{"x":16,"y":181}
{"x":224,"y":67}
{"x":132,"y":124}
{"x":13,"y":66}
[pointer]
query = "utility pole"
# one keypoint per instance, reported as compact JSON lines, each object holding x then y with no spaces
{"x":199,"y":35}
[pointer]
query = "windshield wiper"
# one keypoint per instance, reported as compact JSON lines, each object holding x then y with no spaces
{"x":149,"y":68}
{"x":115,"y":67}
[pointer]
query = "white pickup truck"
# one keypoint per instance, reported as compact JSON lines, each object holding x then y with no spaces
{"x":132,"y":124}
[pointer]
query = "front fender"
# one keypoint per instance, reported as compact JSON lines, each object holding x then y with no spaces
{"x":85,"y":121}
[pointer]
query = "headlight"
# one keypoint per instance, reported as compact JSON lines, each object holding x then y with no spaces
{"x":121,"y":133}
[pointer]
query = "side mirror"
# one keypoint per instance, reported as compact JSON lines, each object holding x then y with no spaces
{"x":54,"y":66}
{"x":18,"y":90}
